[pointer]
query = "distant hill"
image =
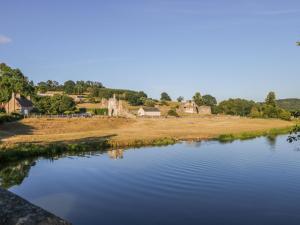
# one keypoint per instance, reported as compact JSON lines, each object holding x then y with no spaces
{"x":291,"y":104}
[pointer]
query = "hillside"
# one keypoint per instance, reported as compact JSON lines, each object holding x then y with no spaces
{"x":291,"y":104}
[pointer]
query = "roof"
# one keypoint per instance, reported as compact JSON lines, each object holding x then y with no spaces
{"x":150,"y":109}
{"x":24,"y":102}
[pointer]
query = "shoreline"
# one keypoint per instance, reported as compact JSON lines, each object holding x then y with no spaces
{"x":21,"y":151}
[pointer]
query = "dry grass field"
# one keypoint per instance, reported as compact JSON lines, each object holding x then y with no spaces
{"x":43,"y":130}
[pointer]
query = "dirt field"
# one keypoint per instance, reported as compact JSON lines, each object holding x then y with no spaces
{"x":120,"y":129}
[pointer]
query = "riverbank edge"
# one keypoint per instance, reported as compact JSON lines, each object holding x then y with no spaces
{"x":16,"y":210}
{"x":20,"y":151}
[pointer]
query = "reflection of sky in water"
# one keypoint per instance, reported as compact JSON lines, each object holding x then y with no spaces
{"x":244,"y":182}
{"x":65,"y":201}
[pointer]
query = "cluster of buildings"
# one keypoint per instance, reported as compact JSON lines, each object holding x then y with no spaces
{"x":115,"y":107}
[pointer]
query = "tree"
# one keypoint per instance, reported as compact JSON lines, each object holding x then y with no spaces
{"x":165,"y":97}
{"x":180,"y":99}
{"x":42,"y":104}
{"x":209,"y":100}
{"x":237,"y":107}
{"x":294,"y":135}
{"x":255,"y":113}
{"x":13,"y":80}
{"x":61,"y":104}
{"x":149,"y":103}
{"x":198,"y":99}
{"x":69,"y":87}
{"x":42,"y":87}
{"x":271,"y":99}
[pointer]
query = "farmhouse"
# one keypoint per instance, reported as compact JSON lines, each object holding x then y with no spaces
{"x":19,"y":104}
{"x":193,"y":108}
{"x":149,"y":111}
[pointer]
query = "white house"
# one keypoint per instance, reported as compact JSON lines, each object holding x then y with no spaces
{"x":149,"y":111}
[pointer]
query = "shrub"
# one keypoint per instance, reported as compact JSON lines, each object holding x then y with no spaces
{"x":102,"y":112}
{"x":172,"y":112}
{"x":284,"y":115}
{"x":9,"y":117}
{"x":255,"y":113}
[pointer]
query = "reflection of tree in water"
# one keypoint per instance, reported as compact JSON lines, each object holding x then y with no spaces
{"x":15,"y":173}
{"x":272,"y":141}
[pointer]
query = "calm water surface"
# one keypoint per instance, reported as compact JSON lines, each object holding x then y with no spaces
{"x":252,"y":182}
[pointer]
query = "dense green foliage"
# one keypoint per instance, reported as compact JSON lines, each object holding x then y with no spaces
{"x":290,"y":104}
{"x":69,"y":87}
{"x":101,"y":112}
{"x":198,"y":99}
{"x":54,"y":105}
{"x":209,"y":100}
{"x":236,"y":107}
{"x":271,"y":99}
{"x":13,"y":80}
{"x":165,"y":97}
{"x":242,"y":107}
{"x":133,"y":97}
{"x":294,"y":134}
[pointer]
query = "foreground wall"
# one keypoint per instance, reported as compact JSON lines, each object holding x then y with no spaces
{"x":15,"y":210}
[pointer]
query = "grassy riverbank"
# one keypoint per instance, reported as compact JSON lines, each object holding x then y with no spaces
{"x":50,"y":137}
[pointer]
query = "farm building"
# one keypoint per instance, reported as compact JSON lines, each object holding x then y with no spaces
{"x":19,"y":104}
{"x":193,"y":108}
{"x":149,"y":111}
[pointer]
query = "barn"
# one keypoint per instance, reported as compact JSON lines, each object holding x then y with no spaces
{"x":149,"y":112}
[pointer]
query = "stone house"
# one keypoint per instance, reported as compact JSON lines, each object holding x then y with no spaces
{"x":192,"y":108}
{"x":149,"y":112}
{"x":19,"y":104}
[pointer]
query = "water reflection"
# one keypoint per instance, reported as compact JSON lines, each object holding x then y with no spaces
{"x":116,"y":154}
{"x":271,"y":140}
{"x":15,"y":173}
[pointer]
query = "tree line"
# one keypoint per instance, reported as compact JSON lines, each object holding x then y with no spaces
{"x":13,"y":80}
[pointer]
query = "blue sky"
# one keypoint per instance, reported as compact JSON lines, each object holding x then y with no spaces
{"x":232,"y":48}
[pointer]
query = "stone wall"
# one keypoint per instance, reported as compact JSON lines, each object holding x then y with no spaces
{"x":16,"y":211}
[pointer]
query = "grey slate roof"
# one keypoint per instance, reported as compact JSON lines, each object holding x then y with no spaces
{"x":24,"y":102}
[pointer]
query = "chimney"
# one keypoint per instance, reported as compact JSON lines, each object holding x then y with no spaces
{"x":18,"y":95}
{"x":13,"y":95}
{"x":28,"y":98}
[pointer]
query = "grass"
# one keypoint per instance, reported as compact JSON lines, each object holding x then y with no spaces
{"x":121,"y":130}
{"x":254,"y":134}
{"x":33,"y":137}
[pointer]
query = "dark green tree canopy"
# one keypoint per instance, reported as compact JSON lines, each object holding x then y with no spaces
{"x":198,"y":99}
{"x":237,"y":107}
{"x":13,"y":80}
{"x":54,"y":105}
{"x":165,"y":97}
{"x":180,"y":99}
{"x":209,"y":100}
{"x":271,"y":99}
